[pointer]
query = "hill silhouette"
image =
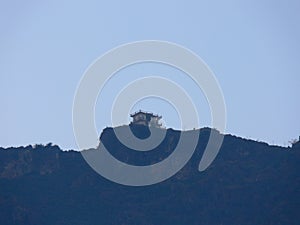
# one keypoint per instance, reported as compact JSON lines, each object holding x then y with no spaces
{"x":249,"y":182}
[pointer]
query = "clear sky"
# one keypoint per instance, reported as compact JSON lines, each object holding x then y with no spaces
{"x":251,"y":46}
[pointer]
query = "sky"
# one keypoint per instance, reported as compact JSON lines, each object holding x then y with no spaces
{"x":46,"y":46}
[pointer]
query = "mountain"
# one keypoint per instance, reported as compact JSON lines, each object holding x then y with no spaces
{"x":249,"y":182}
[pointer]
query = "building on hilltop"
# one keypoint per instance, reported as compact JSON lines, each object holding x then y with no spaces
{"x":146,"y":119}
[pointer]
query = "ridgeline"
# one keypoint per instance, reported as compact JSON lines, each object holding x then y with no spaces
{"x":249,"y":182}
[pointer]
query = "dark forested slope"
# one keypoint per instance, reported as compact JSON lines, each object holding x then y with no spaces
{"x":248,"y":183}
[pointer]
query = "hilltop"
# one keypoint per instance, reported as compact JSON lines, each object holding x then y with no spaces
{"x":249,"y":182}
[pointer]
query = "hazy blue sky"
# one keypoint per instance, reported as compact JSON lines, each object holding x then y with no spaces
{"x":252,"y":47}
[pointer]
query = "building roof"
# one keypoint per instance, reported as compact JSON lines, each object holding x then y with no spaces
{"x":145,"y":113}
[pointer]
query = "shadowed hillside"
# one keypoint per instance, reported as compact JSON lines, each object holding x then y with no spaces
{"x":248,"y":183}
